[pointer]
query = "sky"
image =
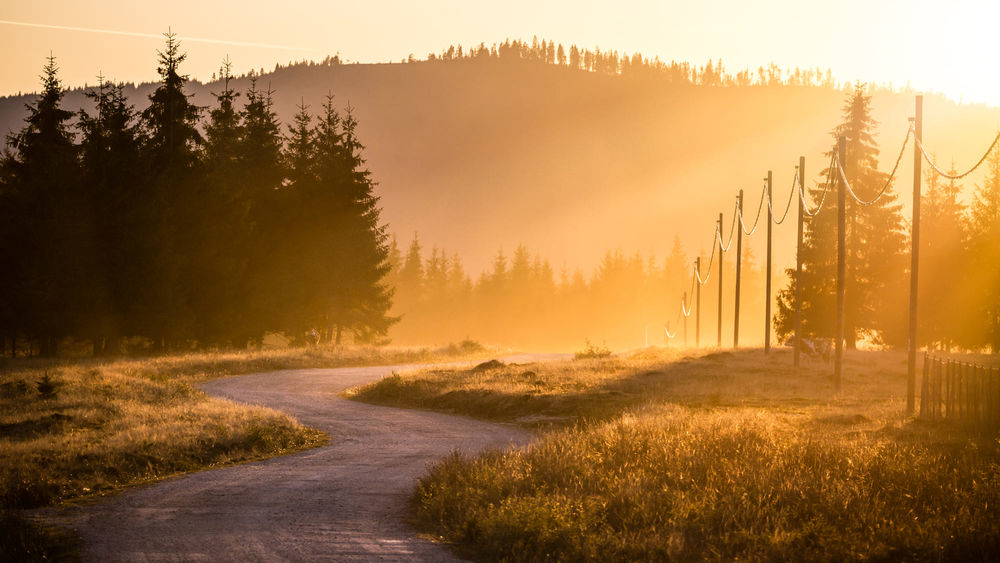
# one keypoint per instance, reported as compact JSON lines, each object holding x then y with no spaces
{"x":931,"y":46}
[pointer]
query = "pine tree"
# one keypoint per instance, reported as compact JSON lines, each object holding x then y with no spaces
{"x":984,"y":243}
{"x":173,"y":196}
{"x":111,"y":169}
{"x":875,"y":299}
{"x":943,"y":254}
{"x":221,"y":222}
{"x":46,"y":271}
{"x":359,"y":300}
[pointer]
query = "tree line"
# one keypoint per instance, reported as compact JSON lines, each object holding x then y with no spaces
{"x":712,"y":73}
{"x":613,"y":62}
{"x":181,"y":226}
{"x":522,"y":300}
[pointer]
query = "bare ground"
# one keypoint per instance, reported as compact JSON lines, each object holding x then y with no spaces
{"x":342,"y":502}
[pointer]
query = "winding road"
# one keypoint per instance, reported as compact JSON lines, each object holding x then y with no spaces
{"x":342,"y":502}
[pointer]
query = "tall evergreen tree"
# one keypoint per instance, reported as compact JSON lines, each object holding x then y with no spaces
{"x":263,"y":173}
{"x":47,"y":268}
{"x":221,"y":222}
{"x":875,"y":298}
{"x":984,"y":243}
{"x":111,"y":169}
{"x":943,"y":254}
{"x":171,"y":155}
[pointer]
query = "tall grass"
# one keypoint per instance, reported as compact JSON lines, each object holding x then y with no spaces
{"x":720,"y":456}
{"x":681,"y":483}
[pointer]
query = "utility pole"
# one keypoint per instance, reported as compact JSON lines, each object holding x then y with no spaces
{"x":685,"y":319}
{"x":838,"y":361}
{"x":697,"y":303}
{"x":798,"y":260}
{"x":767,"y":284}
{"x":719,"y":343}
{"x":911,"y":360}
{"x":739,"y":256}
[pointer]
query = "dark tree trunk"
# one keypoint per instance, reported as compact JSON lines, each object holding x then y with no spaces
{"x":340,"y":334}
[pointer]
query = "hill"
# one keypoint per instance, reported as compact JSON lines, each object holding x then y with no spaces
{"x":476,"y":155}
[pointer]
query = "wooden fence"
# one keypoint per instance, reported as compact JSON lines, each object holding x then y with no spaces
{"x":961,"y":392}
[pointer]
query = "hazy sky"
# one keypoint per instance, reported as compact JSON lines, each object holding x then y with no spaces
{"x":944,"y":46}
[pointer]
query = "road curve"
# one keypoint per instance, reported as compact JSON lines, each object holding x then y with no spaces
{"x":340,"y":502}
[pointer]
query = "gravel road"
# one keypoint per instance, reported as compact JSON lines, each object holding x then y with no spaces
{"x":341,"y":502}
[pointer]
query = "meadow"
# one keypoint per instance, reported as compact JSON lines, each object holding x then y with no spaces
{"x":670,"y":455}
{"x":76,"y":429}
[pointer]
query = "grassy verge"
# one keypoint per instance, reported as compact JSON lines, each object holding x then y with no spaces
{"x":667,"y":456}
{"x":564,"y":393}
{"x":72,"y":430}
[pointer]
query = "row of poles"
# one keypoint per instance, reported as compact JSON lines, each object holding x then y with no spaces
{"x":842,"y":187}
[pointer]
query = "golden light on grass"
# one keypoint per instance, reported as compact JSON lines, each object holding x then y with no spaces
{"x":668,"y":455}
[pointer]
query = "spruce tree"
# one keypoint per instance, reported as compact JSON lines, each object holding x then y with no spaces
{"x":111,"y":170}
{"x":360,"y":300}
{"x":173,"y":195}
{"x":943,"y":254}
{"x":46,"y":271}
{"x":875,"y":292}
{"x":263,"y":171}
{"x":221,"y":222}
{"x":984,"y":243}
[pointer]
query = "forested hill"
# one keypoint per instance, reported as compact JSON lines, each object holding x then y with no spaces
{"x":479,"y":154}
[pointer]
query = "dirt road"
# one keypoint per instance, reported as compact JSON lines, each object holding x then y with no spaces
{"x":341,"y":502}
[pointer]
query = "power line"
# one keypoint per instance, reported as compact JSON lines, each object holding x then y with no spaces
{"x":920,"y":145}
{"x":760,"y":207}
{"x":888,"y":182}
{"x":791,"y":196}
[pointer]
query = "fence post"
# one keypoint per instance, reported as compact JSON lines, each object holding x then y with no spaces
{"x":949,"y":410}
{"x":937,"y":390}
{"x":925,"y":386}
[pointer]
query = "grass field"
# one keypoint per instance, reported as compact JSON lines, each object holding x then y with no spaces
{"x":673,"y":456}
{"x":77,"y":429}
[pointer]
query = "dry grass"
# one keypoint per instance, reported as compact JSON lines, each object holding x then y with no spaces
{"x":586,"y":389}
{"x":719,"y":456}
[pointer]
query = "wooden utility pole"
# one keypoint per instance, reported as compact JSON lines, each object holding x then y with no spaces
{"x":685,"y":302}
{"x":911,"y":360}
{"x":719,"y":343}
{"x":838,"y":361}
{"x":697,"y":303}
{"x":798,"y":259}
{"x":739,"y":256}
{"x":767,"y":283}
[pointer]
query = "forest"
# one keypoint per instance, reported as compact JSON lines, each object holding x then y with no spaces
{"x":176,"y":227}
